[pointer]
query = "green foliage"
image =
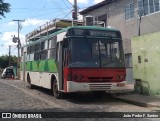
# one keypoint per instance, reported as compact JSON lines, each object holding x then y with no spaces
{"x":4,"y":61}
{"x":4,"y":8}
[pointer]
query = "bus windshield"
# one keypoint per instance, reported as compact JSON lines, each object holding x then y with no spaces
{"x":96,"y":53}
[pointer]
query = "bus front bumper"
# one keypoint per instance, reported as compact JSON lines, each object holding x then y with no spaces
{"x":87,"y":87}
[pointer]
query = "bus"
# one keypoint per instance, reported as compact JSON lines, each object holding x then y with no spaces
{"x":75,"y":59}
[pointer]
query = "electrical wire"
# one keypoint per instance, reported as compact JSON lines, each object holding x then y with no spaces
{"x":152,"y":23}
{"x":56,"y":4}
{"x":67,"y":14}
{"x":39,"y":9}
{"x":65,"y":4}
{"x":13,"y":49}
{"x":70,"y":3}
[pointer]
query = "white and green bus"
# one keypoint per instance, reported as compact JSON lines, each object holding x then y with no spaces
{"x":75,"y":59}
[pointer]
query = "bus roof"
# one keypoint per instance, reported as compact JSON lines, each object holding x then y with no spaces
{"x":92,"y":27}
{"x":66,"y":29}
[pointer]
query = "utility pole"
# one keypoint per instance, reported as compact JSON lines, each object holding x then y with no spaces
{"x":9,"y":57}
{"x":18,"y":46}
{"x":139,"y":28}
{"x":75,"y":10}
{"x":141,"y":13}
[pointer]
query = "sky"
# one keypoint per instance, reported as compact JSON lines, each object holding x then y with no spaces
{"x":35,"y":13}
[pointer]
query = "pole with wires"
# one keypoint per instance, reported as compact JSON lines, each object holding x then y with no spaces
{"x":18,"y":46}
{"x":9,"y":57}
{"x":75,"y":13}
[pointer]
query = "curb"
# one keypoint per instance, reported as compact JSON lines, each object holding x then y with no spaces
{"x":138,"y":103}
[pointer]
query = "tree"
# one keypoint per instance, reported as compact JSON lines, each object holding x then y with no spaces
{"x":4,"y":8}
{"x":4,"y":61}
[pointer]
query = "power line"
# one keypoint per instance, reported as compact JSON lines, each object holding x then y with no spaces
{"x":67,"y":14}
{"x":13,"y":49}
{"x":37,"y":7}
{"x":56,"y":4}
{"x":65,"y":4}
{"x":41,"y":9}
{"x":152,"y":23}
{"x":44,"y":14}
{"x":70,"y":3}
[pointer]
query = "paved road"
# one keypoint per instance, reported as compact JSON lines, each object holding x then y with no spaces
{"x":15,"y":96}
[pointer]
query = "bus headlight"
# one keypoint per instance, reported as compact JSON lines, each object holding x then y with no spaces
{"x":75,"y":78}
{"x":120,"y":77}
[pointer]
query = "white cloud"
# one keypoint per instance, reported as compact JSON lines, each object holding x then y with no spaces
{"x":7,"y":38}
{"x":33,"y":22}
{"x":80,"y":1}
{"x":97,"y":1}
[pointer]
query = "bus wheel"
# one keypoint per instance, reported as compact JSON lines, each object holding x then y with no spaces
{"x":57,"y":94}
{"x":29,"y":83}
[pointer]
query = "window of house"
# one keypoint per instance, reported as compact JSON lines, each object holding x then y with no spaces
{"x":156,"y":3}
{"x":146,"y":7}
{"x":129,"y":11}
{"x":101,"y":20}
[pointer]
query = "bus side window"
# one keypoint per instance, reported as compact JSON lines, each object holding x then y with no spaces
{"x":32,"y":49}
{"x":53,"y":47}
{"x":28,"y":50}
{"x":36,"y":54}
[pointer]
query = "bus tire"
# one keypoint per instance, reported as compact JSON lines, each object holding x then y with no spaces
{"x":31,"y":86}
{"x":57,"y":94}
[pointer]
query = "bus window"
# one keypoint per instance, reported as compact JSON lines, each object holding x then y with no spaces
{"x":95,"y":53}
{"x":36,"y":56}
{"x":37,"y":47}
{"x":32,"y":49}
{"x":42,"y":45}
{"x":53,"y":48}
{"x":43,"y":55}
{"x":28,"y":50}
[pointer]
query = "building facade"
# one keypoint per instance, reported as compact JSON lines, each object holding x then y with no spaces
{"x":131,"y":17}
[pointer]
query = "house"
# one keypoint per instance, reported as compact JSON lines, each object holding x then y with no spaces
{"x":131,"y":17}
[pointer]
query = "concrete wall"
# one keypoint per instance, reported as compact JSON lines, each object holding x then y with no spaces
{"x":146,"y":67}
{"x":116,"y":19}
{"x":129,"y":75}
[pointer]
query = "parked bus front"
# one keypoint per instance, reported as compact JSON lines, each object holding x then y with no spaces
{"x":93,"y":61}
